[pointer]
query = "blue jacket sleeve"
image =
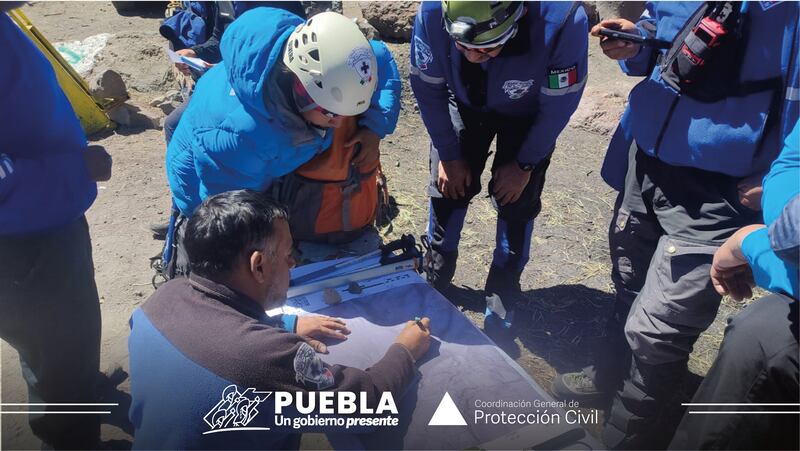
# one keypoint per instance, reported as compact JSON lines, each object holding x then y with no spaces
{"x":638,"y":65}
{"x":769,"y":271}
{"x":556,"y":105}
{"x":784,"y":233}
{"x":781,"y":182}
{"x":773,"y":252}
{"x":288,"y":322}
{"x":384,"y":109}
{"x":431,"y":92}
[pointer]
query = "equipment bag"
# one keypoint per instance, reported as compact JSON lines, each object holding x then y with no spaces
{"x":330,"y":199}
{"x":705,"y":59}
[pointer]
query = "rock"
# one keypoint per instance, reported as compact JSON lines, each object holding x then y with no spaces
{"x":331,"y":296}
{"x":167,"y":102}
{"x":120,"y":114}
{"x":108,"y":84}
{"x":172,"y":95}
{"x":369,"y":31}
{"x":313,"y":8}
{"x":393,"y":20}
{"x":167,"y":107}
{"x":132,"y":117}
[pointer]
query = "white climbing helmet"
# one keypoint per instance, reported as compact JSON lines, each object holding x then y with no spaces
{"x":334,"y":62}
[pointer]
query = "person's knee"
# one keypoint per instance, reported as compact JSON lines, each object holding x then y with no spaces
{"x":760,"y":327}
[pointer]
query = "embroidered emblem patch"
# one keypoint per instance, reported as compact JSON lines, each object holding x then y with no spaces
{"x":309,"y":369}
{"x":422,"y":53}
{"x":562,"y":78}
{"x":360,"y":60}
{"x":515,"y":89}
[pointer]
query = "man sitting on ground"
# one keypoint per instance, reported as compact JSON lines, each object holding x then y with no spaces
{"x":199,"y":338}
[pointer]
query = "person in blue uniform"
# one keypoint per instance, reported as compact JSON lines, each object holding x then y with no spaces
{"x":511,"y":72}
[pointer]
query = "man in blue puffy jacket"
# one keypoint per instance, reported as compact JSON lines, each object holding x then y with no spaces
{"x":511,"y":71}
{"x":710,"y":115}
{"x":49,"y":308}
{"x":272,"y":103}
{"x":196,"y":31}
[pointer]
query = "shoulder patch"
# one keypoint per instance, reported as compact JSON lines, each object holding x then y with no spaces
{"x":515,"y":89}
{"x":310,"y":370}
{"x":562,"y":78}
{"x":422,"y":53}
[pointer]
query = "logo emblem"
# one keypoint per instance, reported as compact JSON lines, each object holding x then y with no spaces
{"x":309,"y":369}
{"x":447,"y":414}
{"x":360,"y":60}
{"x":422,"y":53}
{"x":515,"y":89}
{"x":235,"y":410}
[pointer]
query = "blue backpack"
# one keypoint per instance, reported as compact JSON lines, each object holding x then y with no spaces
{"x":192,"y":25}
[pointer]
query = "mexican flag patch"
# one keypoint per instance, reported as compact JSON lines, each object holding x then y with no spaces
{"x":562,"y":78}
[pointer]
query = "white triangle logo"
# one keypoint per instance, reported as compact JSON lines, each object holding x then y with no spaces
{"x":447,"y":414}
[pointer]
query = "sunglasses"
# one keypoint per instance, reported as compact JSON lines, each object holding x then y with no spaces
{"x":481,"y":50}
{"x":305,"y":103}
{"x":487,"y":49}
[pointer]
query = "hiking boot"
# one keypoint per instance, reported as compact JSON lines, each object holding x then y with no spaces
{"x":439,"y":268}
{"x":577,"y":387}
{"x":499,"y":329}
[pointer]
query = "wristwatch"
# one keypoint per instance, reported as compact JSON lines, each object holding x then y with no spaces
{"x":527,"y":167}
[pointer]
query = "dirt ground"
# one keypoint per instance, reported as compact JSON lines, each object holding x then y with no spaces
{"x":567,"y":285}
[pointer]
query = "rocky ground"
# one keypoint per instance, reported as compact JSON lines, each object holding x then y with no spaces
{"x":567,"y":285}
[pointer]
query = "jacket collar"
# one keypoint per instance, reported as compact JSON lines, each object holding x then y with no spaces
{"x":229,"y":297}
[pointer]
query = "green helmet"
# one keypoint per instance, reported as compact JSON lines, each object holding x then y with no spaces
{"x":481,"y":22}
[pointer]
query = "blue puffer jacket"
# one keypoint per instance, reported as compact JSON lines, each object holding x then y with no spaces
{"x":235,"y":133}
{"x":44,"y":183}
{"x":738,"y":136}
{"x":773,"y":252}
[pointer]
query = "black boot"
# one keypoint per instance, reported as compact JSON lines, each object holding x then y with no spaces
{"x":440,"y":267}
{"x":643,"y":413}
{"x":503,"y":293}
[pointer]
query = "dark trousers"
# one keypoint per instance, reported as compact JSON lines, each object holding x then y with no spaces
{"x":50,"y":313}
{"x":757,"y":363}
{"x":476,"y":131}
{"x":173,"y":118}
{"x":667,"y":224}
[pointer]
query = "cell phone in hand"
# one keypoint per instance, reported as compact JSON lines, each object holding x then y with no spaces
{"x":622,"y":36}
{"x":634,"y":38}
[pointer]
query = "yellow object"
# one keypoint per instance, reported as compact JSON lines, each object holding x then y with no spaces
{"x":91,"y":114}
